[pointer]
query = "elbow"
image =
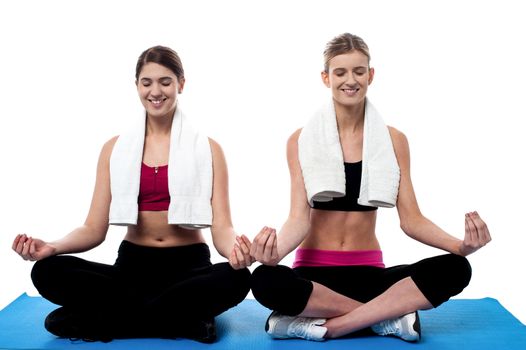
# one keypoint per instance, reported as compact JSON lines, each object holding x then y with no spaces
{"x":97,"y":234}
{"x":412,"y":224}
{"x":408,"y":227}
{"x":223,"y":238}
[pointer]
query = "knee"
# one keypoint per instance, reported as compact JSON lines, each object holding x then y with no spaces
{"x":460,"y":272}
{"x":442,"y":277}
{"x":268,"y":284}
{"x":238,"y":281}
{"x":449,"y":270}
{"x":43,"y":270}
{"x":261,"y":281}
{"x":242,"y":277}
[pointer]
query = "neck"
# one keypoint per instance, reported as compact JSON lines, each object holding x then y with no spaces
{"x":159,"y":125}
{"x":350,"y":118}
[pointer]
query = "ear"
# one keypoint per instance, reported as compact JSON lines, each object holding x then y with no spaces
{"x":325,"y":78}
{"x":371,"y":75}
{"x":181,"y":85}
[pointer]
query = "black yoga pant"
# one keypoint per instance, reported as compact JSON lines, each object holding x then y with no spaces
{"x":288,"y":290}
{"x":145,"y":287}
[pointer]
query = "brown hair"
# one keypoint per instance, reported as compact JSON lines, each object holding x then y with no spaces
{"x":342,"y":44}
{"x":161,"y":55}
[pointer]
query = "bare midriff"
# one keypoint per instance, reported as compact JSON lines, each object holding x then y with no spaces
{"x":153,"y":230}
{"x":340,"y":230}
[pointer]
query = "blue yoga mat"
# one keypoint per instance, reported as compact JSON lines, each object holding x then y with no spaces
{"x":466,"y":324}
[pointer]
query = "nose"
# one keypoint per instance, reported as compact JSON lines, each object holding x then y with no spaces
{"x":155,"y":90}
{"x":351,"y":79}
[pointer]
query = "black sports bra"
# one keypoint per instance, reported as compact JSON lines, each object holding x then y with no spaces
{"x":353,"y":179}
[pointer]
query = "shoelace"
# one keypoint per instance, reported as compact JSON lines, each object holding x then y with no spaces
{"x":303,"y":327}
{"x":390,"y":327}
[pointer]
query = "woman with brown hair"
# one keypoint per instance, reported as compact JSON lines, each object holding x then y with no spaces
{"x":165,"y":181}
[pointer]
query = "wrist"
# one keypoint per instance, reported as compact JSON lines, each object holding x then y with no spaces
{"x":55,"y":250}
{"x":461,"y":249}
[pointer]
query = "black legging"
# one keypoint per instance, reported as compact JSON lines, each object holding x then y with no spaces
{"x":287,"y":290}
{"x":144,"y":287}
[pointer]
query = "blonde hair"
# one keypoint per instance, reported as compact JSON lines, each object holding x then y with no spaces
{"x":342,"y":44}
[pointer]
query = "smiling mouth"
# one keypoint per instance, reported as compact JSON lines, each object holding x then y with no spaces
{"x":351,"y":91}
{"x":157,"y":102}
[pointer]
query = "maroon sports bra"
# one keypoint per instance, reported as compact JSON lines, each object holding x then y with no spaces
{"x":153,"y":190}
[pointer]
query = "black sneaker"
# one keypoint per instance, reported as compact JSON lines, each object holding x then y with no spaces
{"x":65,"y":323}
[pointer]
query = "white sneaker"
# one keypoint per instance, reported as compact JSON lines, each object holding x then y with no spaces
{"x":281,"y":327}
{"x":406,"y":327}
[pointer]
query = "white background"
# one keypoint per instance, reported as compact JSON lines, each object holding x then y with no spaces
{"x":450,"y":75}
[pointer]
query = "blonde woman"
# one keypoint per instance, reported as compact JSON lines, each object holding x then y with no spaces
{"x":338,"y":283}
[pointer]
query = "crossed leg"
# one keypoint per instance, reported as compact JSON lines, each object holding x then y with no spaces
{"x":356,"y":297}
{"x":345,"y":315}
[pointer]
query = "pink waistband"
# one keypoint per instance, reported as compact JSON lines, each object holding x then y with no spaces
{"x":318,"y":257}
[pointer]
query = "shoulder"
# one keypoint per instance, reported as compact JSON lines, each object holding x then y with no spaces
{"x":293,"y":139}
{"x":292,"y":147}
{"x":215,"y":147}
{"x":398,"y":138}
{"x":111,"y":142}
{"x":218,"y":155}
{"x":400,"y":145}
{"x":107,"y":148}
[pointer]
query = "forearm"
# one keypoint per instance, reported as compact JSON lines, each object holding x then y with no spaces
{"x":292,"y":233}
{"x":224,"y":239}
{"x":79,"y":240}
{"x":427,"y":232}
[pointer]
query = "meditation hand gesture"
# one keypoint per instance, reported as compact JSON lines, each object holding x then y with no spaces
{"x":32,"y":248}
{"x":476,"y":234}
{"x":240,"y":255}
{"x":265,"y":247}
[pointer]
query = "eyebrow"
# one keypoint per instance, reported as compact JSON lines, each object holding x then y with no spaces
{"x":161,"y":79}
{"x":354,"y":68}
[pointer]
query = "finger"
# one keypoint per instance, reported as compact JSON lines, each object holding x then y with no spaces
{"x":240,"y":257}
{"x":253,"y":248}
{"x":269,"y":246}
{"x":242,"y":245}
{"x":233,"y":260}
{"x":15,"y":242}
{"x":20,"y":244}
{"x":260,"y":242}
{"x":25,"y":250}
{"x":246,"y":241}
{"x":484,"y":234}
{"x":245,"y":249}
{"x":32,"y":250}
{"x":470,"y":230}
{"x":275,"y":254}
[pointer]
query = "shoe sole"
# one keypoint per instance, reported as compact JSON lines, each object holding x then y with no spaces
{"x":416,"y":328}
{"x":267,"y":326}
{"x":270,"y":327}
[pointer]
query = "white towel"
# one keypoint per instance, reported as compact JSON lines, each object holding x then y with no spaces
{"x":190,"y":175}
{"x":321,"y":159}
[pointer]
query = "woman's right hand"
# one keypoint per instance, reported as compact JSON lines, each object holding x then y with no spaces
{"x":32,"y":249}
{"x":265,"y":247}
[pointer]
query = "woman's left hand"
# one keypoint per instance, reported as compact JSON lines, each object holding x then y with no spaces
{"x":240,"y":255}
{"x":476,"y":234}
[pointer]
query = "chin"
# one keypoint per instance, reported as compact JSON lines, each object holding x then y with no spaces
{"x":349,"y":102}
